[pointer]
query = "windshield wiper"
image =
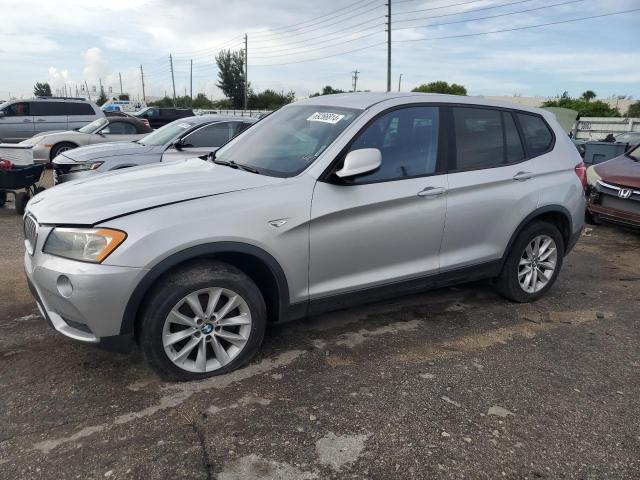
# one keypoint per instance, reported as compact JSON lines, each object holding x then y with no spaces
{"x":232,"y":164}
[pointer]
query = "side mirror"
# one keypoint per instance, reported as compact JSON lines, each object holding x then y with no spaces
{"x":360,"y":161}
{"x":105,"y":131}
{"x":178,"y":144}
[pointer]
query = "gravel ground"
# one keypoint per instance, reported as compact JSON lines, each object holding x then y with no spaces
{"x":453,"y":383}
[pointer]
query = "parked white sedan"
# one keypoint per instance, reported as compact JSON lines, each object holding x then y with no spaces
{"x":107,"y":129}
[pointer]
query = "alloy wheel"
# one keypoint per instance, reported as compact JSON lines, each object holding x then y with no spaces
{"x":206,"y":329}
{"x":537,"y":263}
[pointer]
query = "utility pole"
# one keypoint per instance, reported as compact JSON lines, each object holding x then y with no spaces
{"x":87,"y":87}
{"x":354,"y":79}
{"x":144,"y":97}
{"x":388,"y":45}
{"x":173,"y":81}
{"x":191,"y":80}
{"x":120,"y":77}
{"x":399,"y":82}
{"x":246,"y":68}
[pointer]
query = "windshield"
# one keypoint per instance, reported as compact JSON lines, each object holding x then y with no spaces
{"x":93,"y":126}
{"x":166,"y":134}
{"x":289,"y":140}
{"x":140,"y":112}
{"x":635,"y":153}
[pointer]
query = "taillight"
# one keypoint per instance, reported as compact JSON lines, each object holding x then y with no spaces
{"x":581,"y":172}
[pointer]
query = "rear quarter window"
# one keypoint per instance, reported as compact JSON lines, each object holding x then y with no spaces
{"x":538,"y":137}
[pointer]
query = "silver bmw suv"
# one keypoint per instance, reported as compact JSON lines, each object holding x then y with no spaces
{"x":328,"y":202}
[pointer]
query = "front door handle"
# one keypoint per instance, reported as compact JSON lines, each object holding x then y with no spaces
{"x":431,"y":192}
{"x":26,"y":120}
{"x":41,"y":120}
{"x":522,"y":176}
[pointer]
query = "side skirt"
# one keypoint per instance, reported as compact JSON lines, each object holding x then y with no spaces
{"x":393,"y":290}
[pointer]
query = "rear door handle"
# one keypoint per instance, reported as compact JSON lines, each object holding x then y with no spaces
{"x":522,"y":176}
{"x":41,"y":120}
{"x":431,"y":192}
{"x":26,"y":120}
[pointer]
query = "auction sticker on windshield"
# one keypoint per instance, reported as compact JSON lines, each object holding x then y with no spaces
{"x":326,"y":117}
{"x":184,"y":125}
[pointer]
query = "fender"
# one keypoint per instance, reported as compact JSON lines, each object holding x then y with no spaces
{"x":135,"y":300}
{"x":536,"y":213}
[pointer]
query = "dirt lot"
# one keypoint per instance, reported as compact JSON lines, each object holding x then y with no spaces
{"x":455,"y":383}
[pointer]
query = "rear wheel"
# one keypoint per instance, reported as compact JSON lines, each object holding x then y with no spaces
{"x":22,"y":198}
{"x":202,"y":321}
{"x":58,"y":148}
{"x":533,"y":264}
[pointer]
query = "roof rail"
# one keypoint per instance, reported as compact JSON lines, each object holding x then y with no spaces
{"x":60,"y":98}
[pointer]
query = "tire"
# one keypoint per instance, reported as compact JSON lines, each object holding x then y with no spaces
{"x":3,"y":199}
{"x":58,"y":148}
{"x":508,"y":282}
{"x":22,"y":198}
{"x":201,"y":281}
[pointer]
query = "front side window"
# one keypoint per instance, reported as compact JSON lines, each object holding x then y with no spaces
{"x":408,"y":141}
{"x":19,"y":109}
{"x":166,"y":134}
{"x":635,"y":154}
{"x":121,"y":128}
{"x":485,"y":138}
{"x":536,"y":133}
{"x":214,"y":135}
{"x":289,"y":140}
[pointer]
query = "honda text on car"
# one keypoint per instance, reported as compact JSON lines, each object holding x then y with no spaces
{"x":328,"y":202}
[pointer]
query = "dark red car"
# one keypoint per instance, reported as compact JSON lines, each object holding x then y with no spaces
{"x":614,"y":189}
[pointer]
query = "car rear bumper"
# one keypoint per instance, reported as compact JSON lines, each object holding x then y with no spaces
{"x":91,"y":310}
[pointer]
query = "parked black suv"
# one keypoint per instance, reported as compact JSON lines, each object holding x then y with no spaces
{"x":159,"y":117}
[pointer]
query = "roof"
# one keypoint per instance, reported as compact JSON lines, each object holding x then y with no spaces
{"x":364,"y":100}
{"x":218,"y":118}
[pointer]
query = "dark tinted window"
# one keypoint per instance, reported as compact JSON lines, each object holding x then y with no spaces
{"x":408,"y":141}
{"x":486,"y":138}
{"x":515,"y":151}
{"x":238,"y":127}
{"x":79,"y":109}
{"x":537,"y":135}
{"x":168,"y":112}
{"x":479,"y":139}
{"x":20,"y":109}
{"x":121,"y":128}
{"x":48,"y":109}
{"x":214,"y":135}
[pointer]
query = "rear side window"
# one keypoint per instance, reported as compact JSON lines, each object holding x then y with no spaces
{"x":48,"y":109}
{"x":408,"y":141}
{"x":79,"y":109}
{"x":122,"y":128}
{"x":485,"y":138}
{"x":537,"y":135}
{"x":18,"y":109}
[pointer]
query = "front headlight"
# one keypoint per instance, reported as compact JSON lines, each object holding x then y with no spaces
{"x":84,"y":244}
{"x":592,"y":176}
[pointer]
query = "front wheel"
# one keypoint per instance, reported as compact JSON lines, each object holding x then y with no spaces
{"x":204,"y":320}
{"x":61,"y":147}
{"x":21,"y":199}
{"x":533,"y":264}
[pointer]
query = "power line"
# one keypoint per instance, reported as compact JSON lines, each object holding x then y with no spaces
{"x":439,"y":7}
{"x":489,"y":16}
{"x":460,"y":13}
{"x":526,"y":27}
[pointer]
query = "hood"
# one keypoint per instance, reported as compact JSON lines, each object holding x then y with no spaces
{"x":102,"y":150}
{"x":621,"y":171}
{"x":41,"y":136}
{"x":92,"y":200}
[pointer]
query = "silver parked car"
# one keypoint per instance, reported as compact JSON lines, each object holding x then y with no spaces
{"x":187,"y":137}
{"x":328,"y":202}
{"x":47,"y":146}
{"x":22,"y":119}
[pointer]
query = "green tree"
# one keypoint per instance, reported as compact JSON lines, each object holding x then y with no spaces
{"x":327,"y":90}
{"x":163,"y":102}
{"x":231,"y":76}
{"x":588,"y":95}
{"x":634,"y":110}
{"x":441,"y":86}
{"x":270,"y":99}
{"x":42,"y":90}
{"x":585,"y":108}
{"x":102,"y":99}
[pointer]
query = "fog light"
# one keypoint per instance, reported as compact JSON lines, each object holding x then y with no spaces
{"x":64,"y":286}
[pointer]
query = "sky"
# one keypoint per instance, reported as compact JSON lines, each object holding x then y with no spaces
{"x":302,"y":46}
